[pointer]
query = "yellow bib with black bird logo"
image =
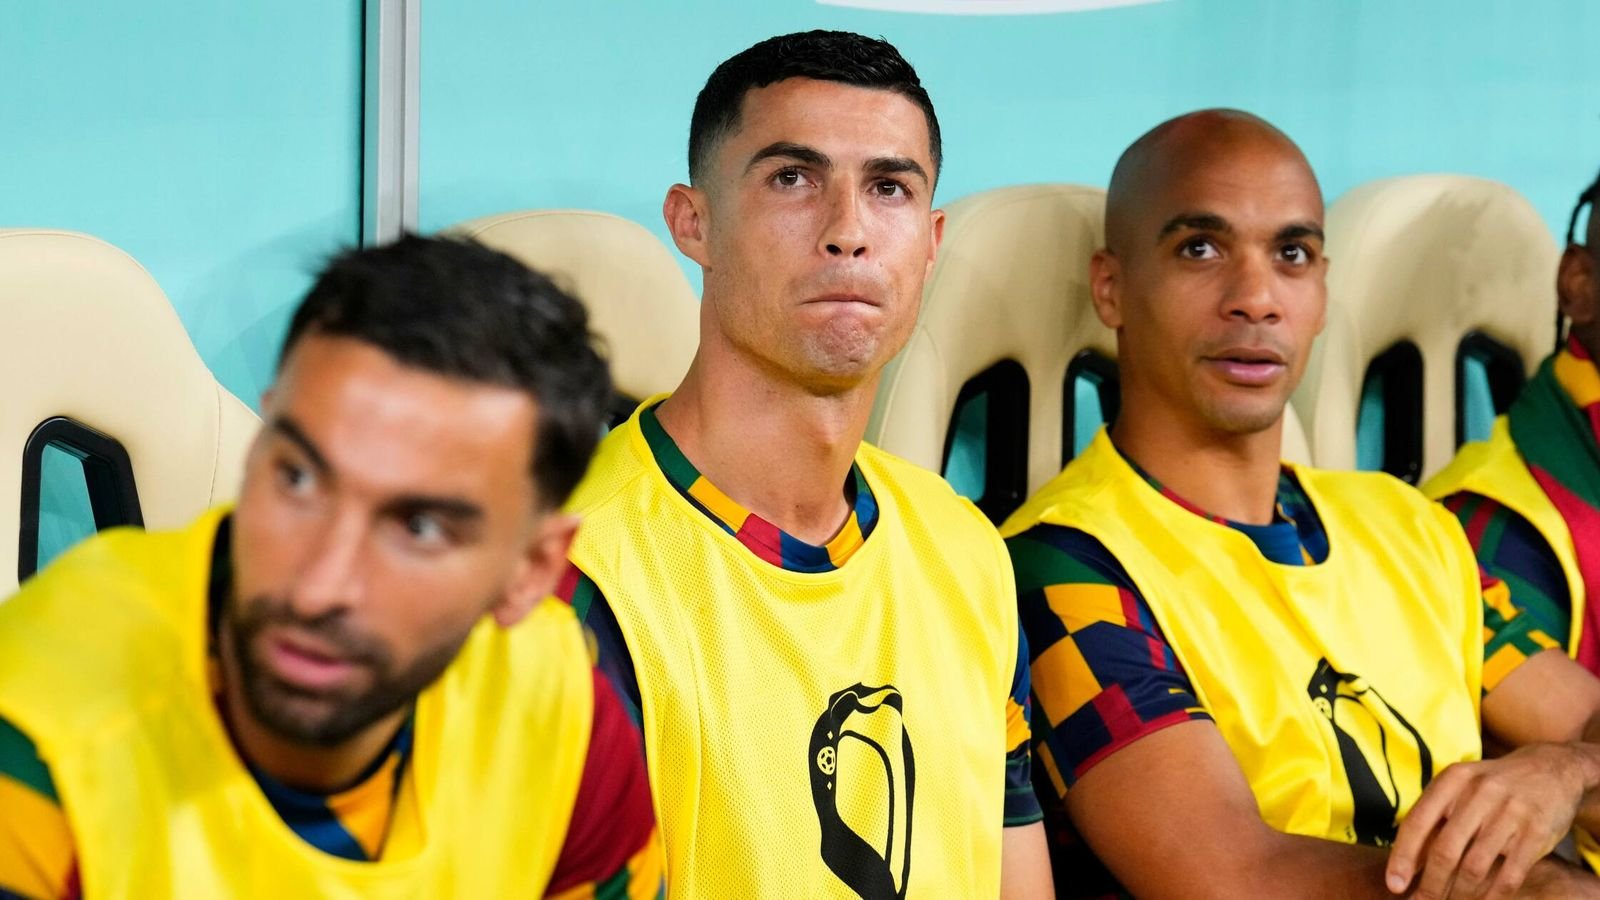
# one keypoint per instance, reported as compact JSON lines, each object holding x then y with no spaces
{"x":1342,"y":688}
{"x":103,"y":662}
{"x":812,"y":734}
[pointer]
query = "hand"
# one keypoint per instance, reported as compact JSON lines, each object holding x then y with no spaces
{"x":1518,"y":807}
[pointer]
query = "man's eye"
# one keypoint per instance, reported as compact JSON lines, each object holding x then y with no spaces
{"x":1197,"y":248}
{"x":1296,"y":254}
{"x":295,"y":479}
{"x":788,"y":177}
{"x":887,"y":188}
{"x":424,"y":528}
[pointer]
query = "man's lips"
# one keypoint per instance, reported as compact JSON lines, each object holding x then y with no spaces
{"x":1247,"y":366}
{"x":305,"y":663}
{"x":845,"y":298}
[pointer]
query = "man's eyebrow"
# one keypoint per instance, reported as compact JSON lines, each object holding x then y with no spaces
{"x":895,"y":165}
{"x":1195,"y":221}
{"x":462,"y":511}
{"x":287,"y":429}
{"x":1296,"y":230}
{"x":800,"y":153}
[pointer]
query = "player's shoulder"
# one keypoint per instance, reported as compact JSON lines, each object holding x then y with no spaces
{"x":918,"y":491}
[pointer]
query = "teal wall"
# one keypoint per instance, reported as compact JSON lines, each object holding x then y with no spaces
{"x":568,"y":103}
{"x":218,"y":143}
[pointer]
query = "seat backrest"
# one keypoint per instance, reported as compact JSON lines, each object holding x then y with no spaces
{"x":639,"y":301}
{"x":1005,"y":312}
{"x":94,"y":360}
{"x":1423,"y":268}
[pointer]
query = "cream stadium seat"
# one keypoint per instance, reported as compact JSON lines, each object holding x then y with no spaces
{"x":94,"y":360}
{"x":1424,"y":268}
{"x":1007,"y":314}
{"x":1004,"y":314}
{"x":640,"y":302}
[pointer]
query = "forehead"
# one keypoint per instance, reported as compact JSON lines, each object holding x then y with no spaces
{"x":391,"y":428}
{"x":842,"y":120}
{"x":1258,"y":185}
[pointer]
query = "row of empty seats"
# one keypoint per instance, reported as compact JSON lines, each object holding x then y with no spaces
{"x":1441,"y":302}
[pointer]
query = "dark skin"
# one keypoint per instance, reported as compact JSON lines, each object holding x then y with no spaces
{"x":1578,"y":288}
{"x":1213,"y":277}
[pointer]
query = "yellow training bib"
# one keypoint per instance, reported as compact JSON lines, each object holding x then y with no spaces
{"x":1342,"y":688}
{"x":1495,"y":469}
{"x":103,"y":665}
{"x":832,"y":734}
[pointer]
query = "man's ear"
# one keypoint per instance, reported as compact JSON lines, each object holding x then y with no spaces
{"x":1105,"y":287}
{"x":687,"y":214}
{"x":543,"y":562}
{"x":936,"y":235}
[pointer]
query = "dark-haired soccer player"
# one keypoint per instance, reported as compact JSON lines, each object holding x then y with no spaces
{"x":1529,"y":497}
{"x":351,"y":684}
{"x":821,"y":639}
{"x":1260,"y":679}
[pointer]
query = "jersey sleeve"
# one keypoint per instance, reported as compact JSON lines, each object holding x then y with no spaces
{"x":37,"y":856}
{"x":1103,"y":673}
{"x":1526,"y":608}
{"x":1021,"y":805}
{"x":611,"y":651}
{"x":612,"y":848}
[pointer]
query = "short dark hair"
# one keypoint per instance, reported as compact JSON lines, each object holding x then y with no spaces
{"x":459,"y":309}
{"x":840,"y":56}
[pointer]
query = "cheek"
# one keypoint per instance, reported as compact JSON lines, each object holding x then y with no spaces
{"x":270,"y":536}
{"x":417,"y":604}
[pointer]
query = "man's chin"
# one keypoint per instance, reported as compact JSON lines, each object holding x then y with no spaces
{"x":1246,"y":419}
{"x":317,"y":720}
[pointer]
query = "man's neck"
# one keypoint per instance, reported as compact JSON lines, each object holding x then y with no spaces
{"x":778,"y":450}
{"x":323,"y":770}
{"x":1230,"y":475}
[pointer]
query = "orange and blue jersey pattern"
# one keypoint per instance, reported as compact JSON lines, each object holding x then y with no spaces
{"x":786,"y":551}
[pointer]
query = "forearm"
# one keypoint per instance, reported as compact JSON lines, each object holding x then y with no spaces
{"x":1551,"y":877}
{"x":1267,"y":865}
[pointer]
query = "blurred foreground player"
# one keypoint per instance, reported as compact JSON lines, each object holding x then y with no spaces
{"x":351,"y":685}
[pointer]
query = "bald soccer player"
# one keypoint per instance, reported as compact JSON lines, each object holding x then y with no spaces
{"x":1257,"y":679}
{"x":821,"y":639}
{"x":352,"y":684}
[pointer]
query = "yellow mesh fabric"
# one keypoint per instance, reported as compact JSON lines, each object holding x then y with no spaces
{"x":827,"y":734}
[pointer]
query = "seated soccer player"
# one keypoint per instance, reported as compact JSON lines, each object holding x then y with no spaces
{"x":821,"y":639}
{"x":1255,"y":679}
{"x":351,"y":684}
{"x":1529,"y":497}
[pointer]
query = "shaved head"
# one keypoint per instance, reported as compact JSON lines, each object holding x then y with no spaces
{"x":1212,"y":275}
{"x":1170,"y":152}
